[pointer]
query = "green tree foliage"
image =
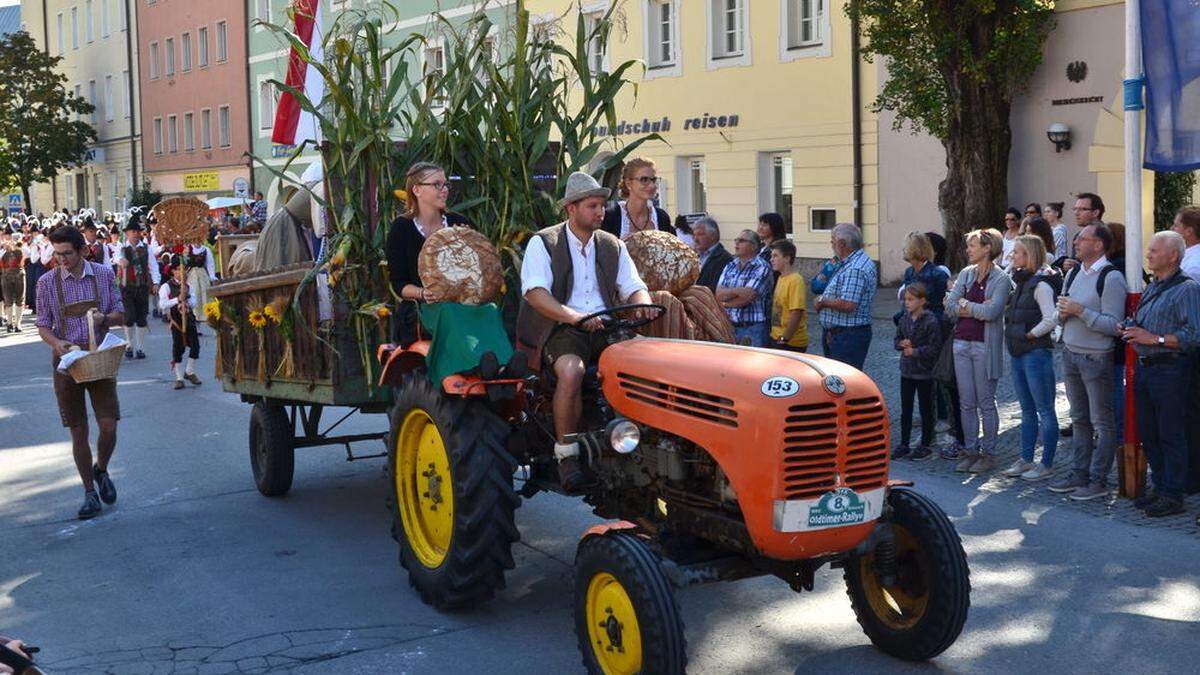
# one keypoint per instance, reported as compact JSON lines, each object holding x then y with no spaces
{"x":954,"y":68}
{"x":1172,"y":191}
{"x":145,"y":196}
{"x":41,"y":132}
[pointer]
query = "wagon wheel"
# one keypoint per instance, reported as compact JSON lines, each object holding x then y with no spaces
{"x":272,"y":449}
{"x":452,"y":498}
{"x":920,"y":610}
{"x":626,"y":617}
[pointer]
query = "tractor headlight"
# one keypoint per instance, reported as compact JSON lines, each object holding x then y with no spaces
{"x":623,"y":435}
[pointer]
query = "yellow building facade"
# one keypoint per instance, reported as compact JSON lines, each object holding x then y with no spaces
{"x":753,"y":99}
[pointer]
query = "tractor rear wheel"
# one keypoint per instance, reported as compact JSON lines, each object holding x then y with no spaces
{"x":452,"y":497}
{"x":920,"y":611}
{"x":272,"y":449}
{"x":626,"y":617}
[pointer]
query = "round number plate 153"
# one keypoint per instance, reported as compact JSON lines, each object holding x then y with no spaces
{"x":780,"y":387}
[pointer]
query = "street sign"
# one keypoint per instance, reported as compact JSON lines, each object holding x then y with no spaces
{"x":201,"y":181}
{"x":16,"y":204}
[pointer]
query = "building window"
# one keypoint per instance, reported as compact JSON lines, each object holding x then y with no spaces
{"x":189,"y":133}
{"x":729,"y":39}
{"x":122,"y":7}
{"x":662,"y":33}
{"x":125,"y":96}
{"x":435,"y":67}
{"x":804,"y":22}
{"x":99,"y":192}
{"x":154,"y":60}
{"x":158,"y":136}
{"x":74,"y":28}
{"x":223,"y":126}
{"x":693,"y":182}
{"x":108,"y":98}
{"x":185,"y":44}
{"x":172,"y":134}
{"x":822,"y":219}
{"x":93,"y":99}
{"x":597,"y":45}
{"x":62,"y":45}
{"x":776,"y":182}
{"x":206,"y":129}
{"x":222,"y":46}
{"x":89,"y":22}
{"x":202,"y":46}
{"x":169,"y":48}
{"x":264,"y":10}
{"x":78,"y":94}
{"x":266,"y":105}
{"x":105,"y":24}
{"x":118,"y":202}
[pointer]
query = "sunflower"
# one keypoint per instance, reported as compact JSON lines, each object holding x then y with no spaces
{"x":257,"y":319}
{"x":212,"y":310}
{"x":383,"y":312}
{"x":271,"y":313}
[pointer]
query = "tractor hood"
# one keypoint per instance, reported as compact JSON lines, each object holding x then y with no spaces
{"x":783,"y":426}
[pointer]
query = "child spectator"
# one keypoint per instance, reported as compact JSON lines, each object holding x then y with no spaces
{"x":919,"y":341}
{"x":789,"y":322}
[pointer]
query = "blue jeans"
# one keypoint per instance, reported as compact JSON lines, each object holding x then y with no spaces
{"x":848,"y":345}
{"x":758,"y":334}
{"x":1033,"y":380}
{"x":1162,"y":409}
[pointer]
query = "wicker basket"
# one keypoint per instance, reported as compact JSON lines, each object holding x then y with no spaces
{"x":97,"y":365}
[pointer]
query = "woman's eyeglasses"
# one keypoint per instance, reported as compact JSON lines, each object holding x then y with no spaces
{"x":439,"y":185}
{"x":646,"y":180}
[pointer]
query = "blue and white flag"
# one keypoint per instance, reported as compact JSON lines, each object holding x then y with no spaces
{"x":1171,"y":56}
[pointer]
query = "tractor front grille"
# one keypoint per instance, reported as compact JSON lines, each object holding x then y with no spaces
{"x":681,"y":400}
{"x":828,"y":439}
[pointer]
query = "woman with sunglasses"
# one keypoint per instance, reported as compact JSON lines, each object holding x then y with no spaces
{"x":427,"y":190}
{"x":637,"y":212}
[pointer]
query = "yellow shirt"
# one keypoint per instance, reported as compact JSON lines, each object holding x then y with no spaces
{"x":789,"y":297}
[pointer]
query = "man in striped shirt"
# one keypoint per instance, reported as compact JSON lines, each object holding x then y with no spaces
{"x":66,"y":293}
{"x":1165,"y":334}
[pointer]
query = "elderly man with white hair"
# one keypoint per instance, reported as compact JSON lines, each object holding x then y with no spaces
{"x":1165,"y":333}
{"x":844,"y":309}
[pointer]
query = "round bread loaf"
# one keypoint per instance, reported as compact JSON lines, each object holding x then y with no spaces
{"x":458,"y":264}
{"x":664,"y":262}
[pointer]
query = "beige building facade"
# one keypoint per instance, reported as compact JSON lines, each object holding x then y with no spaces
{"x":98,"y":42}
{"x":754,"y":104}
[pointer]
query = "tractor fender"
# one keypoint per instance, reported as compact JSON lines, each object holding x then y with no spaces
{"x":604,"y":528}
{"x":398,"y":361}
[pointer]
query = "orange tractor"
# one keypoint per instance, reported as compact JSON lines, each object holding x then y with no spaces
{"x":714,"y":462}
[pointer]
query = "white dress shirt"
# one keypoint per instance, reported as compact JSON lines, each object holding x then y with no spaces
{"x":1191,"y":262}
{"x":151,"y":262}
{"x":585,"y":291}
{"x":166,"y":302}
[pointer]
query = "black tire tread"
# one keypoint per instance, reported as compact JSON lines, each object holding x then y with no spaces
{"x":484,"y":499}
{"x":276,"y":479}
{"x":625,"y":556}
{"x":949,"y":602}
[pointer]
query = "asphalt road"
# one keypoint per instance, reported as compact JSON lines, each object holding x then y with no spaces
{"x":194,"y":572}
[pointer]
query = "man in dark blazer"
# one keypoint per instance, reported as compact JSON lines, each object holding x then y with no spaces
{"x":713,"y":256}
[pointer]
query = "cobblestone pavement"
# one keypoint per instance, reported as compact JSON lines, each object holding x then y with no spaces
{"x":883,"y":365}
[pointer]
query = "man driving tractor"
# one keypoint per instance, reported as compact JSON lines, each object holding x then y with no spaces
{"x":571,"y":271}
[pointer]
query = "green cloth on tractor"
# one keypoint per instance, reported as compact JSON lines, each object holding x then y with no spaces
{"x":461,"y":334}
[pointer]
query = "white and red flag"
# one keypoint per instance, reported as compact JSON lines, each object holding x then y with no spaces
{"x":293,"y":126}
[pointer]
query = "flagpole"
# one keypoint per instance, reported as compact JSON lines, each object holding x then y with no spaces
{"x":1132,"y":470}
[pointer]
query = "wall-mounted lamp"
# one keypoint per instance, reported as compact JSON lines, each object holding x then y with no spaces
{"x":1060,"y":135}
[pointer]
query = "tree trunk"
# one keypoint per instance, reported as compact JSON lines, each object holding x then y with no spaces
{"x":974,"y":193}
{"x":25,"y":196}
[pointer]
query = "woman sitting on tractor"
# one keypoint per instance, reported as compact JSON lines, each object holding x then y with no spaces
{"x":427,"y":189}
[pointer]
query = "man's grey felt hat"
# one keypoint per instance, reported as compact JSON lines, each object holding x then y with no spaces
{"x":581,"y":186}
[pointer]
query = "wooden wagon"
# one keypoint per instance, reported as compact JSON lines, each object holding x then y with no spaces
{"x":290,"y":383}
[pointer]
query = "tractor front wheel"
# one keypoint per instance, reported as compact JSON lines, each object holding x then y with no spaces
{"x":912,"y":600}
{"x":626,"y":617}
{"x":452,"y":498}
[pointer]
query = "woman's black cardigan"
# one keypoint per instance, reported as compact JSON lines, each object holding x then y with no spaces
{"x":403,"y":247}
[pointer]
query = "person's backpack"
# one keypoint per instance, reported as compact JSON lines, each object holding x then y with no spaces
{"x":1118,"y":343}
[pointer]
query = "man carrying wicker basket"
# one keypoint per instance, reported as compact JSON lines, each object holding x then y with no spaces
{"x":69,"y":294}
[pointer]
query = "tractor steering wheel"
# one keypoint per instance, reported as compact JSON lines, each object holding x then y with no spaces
{"x":614,"y":323}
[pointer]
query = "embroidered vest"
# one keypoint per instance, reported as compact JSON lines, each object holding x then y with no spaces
{"x":137,"y":268}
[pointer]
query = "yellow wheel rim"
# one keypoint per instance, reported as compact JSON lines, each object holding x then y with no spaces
{"x":612,"y":626}
{"x":424,"y":489}
{"x":901,"y":605}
